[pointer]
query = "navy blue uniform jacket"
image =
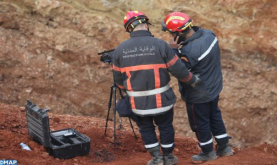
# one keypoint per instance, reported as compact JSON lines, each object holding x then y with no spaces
{"x":201,"y":54}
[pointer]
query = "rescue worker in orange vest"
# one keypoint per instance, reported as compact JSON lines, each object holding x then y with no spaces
{"x":199,"y":50}
{"x":141,"y":66}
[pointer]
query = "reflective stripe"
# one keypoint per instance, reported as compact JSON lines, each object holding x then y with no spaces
{"x":208,"y":51}
{"x":208,"y":142}
{"x":159,"y":100}
{"x":152,"y":145}
{"x":174,"y":17}
{"x":142,"y":67}
{"x":157,"y":78}
{"x":132,"y":101}
{"x":173,"y":61}
{"x":116,"y":68}
{"x":149,"y":92}
{"x":221,"y":136}
{"x":167,"y":145}
{"x":129,"y":86}
{"x":147,"y":67}
{"x":157,"y":86}
{"x":152,"y":111}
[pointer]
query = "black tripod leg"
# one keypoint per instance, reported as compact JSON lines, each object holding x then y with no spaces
{"x":114,"y":114}
{"x":121,"y":95}
{"x":120,"y":92}
{"x":109,"y":108}
{"x":132,"y":128}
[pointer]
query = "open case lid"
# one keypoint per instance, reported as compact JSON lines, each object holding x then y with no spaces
{"x":38,"y":124}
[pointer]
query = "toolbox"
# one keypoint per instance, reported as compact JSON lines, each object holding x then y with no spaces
{"x":63,"y":144}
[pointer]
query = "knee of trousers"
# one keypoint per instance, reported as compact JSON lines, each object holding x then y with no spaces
{"x":200,"y":127}
{"x":146,"y":130}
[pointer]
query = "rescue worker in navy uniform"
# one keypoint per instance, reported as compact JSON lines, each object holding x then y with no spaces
{"x":141,"y":66}
{"x":199,"y":50}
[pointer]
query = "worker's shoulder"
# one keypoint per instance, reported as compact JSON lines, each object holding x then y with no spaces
{"x":201,"y":44}
{"x":205,"y":39}
{"x":206,"y":34}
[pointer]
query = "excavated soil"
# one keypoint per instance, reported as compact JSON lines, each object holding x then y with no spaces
{"x":129,"y":151}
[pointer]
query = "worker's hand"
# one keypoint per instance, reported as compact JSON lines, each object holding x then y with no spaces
{"x":197,"y":81}
{"x":173,"y":43}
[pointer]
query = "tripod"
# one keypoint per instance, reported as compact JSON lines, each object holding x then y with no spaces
{"x":113,"y":96}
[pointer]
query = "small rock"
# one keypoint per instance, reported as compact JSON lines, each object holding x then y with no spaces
{"x":14,"y":130}
{"x":60,"y":48}
{"x":24,"y":131}
{"x":29,"y":90}
{"x":41,"y":148}
{"x":51,"y":123}
{"x":188,"y":149}
{"x":22,"y":109}
{"x":36,"y":150}
{"x":14,"y":125}
{"x":44,"y":155}
{"x":33,"y":144}
{"x":57,"y":119}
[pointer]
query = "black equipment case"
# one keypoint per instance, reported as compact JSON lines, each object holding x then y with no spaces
{"x":63,"y":144}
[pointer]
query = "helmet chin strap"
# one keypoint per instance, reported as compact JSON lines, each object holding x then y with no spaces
{"x":147,"y":27}
{"x":181,"y":37}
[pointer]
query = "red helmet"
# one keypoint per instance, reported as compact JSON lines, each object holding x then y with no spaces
{"x":133,"y":18}
{"x":176,"y":22}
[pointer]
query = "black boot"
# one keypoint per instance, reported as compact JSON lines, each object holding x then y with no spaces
{"x":170,"y":159}
{"x":224,"y":150}
{"x":157,"y":158}
{"x":204,"y":156}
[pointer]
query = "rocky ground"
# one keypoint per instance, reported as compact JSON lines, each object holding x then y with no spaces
{"x":130,"y":151}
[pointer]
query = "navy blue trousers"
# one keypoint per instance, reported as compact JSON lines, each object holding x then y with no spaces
{"x":206,"y":121}
{"x":147,"y":130}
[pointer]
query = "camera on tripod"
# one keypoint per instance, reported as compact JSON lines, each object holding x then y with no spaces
{"x":106,"y":56}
